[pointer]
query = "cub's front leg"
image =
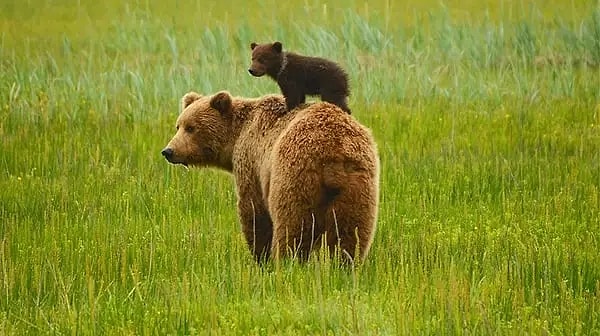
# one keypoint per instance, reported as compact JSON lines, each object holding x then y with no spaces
{"x":293,"y":94}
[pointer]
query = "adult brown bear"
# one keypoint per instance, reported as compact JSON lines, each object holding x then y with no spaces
{"x":303,"y":178}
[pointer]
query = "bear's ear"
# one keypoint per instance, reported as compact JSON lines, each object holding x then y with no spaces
{"x":277,"y":47}
{"x":188,"y":99}
{"x":221,"y":102}
{"x":253,"y":45}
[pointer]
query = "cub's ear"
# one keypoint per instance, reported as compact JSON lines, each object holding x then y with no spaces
{"x":253,"y":45}
{"x":277,"y":47}
{"x":188,"y":99}
{"x":222,"y":102}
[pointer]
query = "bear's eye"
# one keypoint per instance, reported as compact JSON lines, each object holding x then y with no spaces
{"x":261,"y":60}
{"x":189,"y":129}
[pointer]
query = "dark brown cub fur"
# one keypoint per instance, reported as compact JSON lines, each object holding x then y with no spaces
{"x":298,"y":76}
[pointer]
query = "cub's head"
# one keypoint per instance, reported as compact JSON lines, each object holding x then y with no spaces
{"x":266,"y":59}
{"x":203,"y":135}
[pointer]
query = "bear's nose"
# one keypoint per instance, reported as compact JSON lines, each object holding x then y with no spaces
{"x":251,"y":71}
{"x":167,"y":153}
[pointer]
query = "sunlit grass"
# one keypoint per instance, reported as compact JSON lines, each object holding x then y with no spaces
{"x":487,"y":118}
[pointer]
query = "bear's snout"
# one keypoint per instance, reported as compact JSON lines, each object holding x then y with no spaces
{"x":254,"y":72}
{"x":167,"y":153}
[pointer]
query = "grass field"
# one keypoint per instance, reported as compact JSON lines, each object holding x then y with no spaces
{"x":487,"y":118}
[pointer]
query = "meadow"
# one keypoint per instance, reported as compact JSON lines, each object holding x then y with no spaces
{"x":487,"y":119}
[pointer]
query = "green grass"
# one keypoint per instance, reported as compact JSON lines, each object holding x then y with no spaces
{"x":487,"y":117}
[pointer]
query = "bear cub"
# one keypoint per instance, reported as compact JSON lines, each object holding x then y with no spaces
{"x":298,"y":76}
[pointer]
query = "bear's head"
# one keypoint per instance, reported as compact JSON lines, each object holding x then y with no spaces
{"x":203,"y":136}
{"x":266,"y":59}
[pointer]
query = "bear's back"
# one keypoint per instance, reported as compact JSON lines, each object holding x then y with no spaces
{"x":316,"y":133}
{"x":322,"y":132}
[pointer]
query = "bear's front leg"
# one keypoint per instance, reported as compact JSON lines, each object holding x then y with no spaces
{"x":256,"y":226}
{"x":293,"y":94}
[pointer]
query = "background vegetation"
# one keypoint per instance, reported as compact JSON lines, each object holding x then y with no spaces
{"x":487,"y":116}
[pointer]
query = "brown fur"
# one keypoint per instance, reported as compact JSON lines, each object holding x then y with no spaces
{"x":298,"y":76}
{"x":303,"y":178}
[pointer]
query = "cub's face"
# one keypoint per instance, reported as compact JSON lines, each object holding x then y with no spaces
{"x":202,"y":130}
{"x":266,"y":59}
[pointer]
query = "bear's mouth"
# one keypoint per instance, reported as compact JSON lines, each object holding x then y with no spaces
{"x":173,"y":162}
{"x":255,"y":73}
{"x":185,"y":164}
{"x":169,"y":155}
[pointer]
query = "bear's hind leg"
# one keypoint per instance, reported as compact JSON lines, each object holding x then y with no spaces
{"x":296,"y":240}
{"x":337,"y":99}
{"x":297,"y":225}
{"x":350,"y":221}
